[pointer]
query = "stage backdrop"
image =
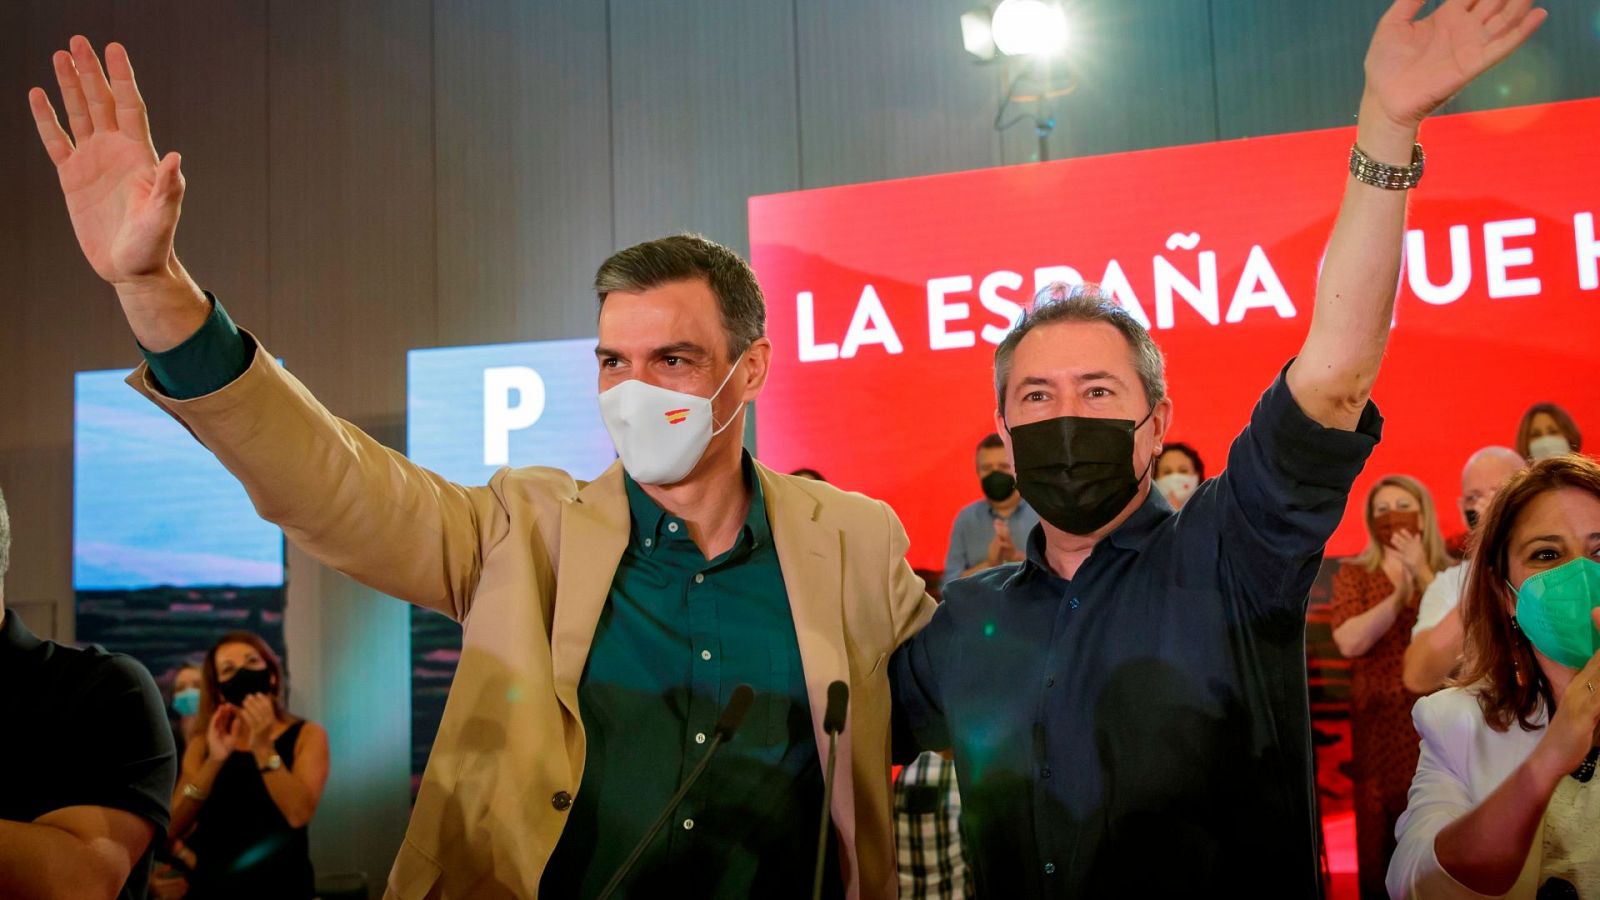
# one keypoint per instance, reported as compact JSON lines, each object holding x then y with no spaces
{"x":885,"y":300}
{"x":167,"y":552}
{"x":471,"y":411}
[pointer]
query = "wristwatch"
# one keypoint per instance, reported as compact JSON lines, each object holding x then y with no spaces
{"x":273,"y":763}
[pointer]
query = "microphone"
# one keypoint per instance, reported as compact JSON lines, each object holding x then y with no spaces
{"x":833,"y":720}
{"x":727,"y":724}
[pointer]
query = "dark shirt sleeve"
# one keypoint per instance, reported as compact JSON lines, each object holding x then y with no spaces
{"x":1283,"y":494}
{"x":209,"y":360}
{"x":918,"y":720}
{"x":130,"y":762}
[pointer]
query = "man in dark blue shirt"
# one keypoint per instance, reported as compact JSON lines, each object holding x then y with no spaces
{"x":1128,"y":705}
{"x":86,"y":765}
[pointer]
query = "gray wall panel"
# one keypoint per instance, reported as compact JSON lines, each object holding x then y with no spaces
{"x":523,"y":167}
{"x":703,"y":114}
{"x":886,"y":91}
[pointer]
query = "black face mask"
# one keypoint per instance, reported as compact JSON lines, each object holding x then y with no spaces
{"x":244,"y":683}
{"x":1472,"y":519}
{"x":1076,"y":472}
{"x":997,"y":486}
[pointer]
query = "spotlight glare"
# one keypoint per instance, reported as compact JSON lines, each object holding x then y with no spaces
{"x":1029,"y":28}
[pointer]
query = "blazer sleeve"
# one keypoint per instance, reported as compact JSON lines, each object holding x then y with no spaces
{"x":1440,"y":794}
{"x":910,"y":607}
{"x":347,"y":500}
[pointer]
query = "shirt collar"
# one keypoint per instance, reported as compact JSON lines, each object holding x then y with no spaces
{"x":1132,"y":534}
{"x":649,"y":519}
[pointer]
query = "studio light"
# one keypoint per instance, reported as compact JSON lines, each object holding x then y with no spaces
{"x":977,"y":34}
{"x":1027,"y":28}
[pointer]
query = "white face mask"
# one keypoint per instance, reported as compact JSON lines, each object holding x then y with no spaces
{"x":1176,"y":487}
{"x":1550,"y":445}
{"x":659,"y":433}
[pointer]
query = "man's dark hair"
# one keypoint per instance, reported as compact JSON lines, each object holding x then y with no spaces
{"x":989,"y":442}
{"x":682,"y":257}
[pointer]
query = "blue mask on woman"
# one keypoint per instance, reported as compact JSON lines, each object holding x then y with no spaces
{"x":1553,"y":610}
{"x":186,"y":702}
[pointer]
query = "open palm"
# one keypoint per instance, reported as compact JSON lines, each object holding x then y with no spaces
{"x":1414,"y":65}
{"x":123,"y":202}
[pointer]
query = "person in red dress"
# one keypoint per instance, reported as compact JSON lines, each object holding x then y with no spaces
{"x":1374,"y":607}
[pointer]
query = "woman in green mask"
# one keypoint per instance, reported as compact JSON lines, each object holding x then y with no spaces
{"x":1504,"y":801}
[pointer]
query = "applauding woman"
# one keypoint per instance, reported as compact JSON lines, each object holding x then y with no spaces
{"x":1374,"y":606}
{"x":1504,"y":801}
{"x":248,"y":791}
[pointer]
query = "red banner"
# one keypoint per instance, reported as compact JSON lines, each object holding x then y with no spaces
{"x":885,"y":300}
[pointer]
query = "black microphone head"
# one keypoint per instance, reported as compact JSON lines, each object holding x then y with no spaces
{"x":838,"y":705}
{"x":733,"y":713}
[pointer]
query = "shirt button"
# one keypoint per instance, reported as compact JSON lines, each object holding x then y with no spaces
{"x":688,"y":824}
{"x":700,"y":737}
{"x":1073,"y":603}
{"x":1049,"y":681}
{"x":1049,"y":868}
{"x":705,"y":654}
{"x":562,"y":801}
{"x":1045,"y":772}
{"x":672,"y":527}
{"x":700,"y":579}
{"x":647,"y":542}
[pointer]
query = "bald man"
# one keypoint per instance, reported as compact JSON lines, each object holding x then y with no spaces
{"x":1435,"y":648}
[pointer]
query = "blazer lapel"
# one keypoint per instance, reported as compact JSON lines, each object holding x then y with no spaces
{"x":813,"y":572}
{"x":594,"y":534}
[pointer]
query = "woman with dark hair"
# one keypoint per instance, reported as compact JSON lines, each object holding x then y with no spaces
{"x":248,"y":791}
{"x":1374,"y":606}
{"x":1178,"y":472}
{"x":1547,"y":430}
{"x":1504,"y":802}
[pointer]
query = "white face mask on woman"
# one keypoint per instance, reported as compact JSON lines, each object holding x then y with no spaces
{"x":660,"y":433}
{"x":1177,"y":487}
{"x":1548,"y":446}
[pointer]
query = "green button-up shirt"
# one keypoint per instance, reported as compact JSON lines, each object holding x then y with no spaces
{"x":677,"y":634}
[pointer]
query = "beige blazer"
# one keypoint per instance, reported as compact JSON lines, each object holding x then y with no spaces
{"x":525,"y":565}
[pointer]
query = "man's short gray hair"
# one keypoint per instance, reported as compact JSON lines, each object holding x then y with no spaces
{"x":1060,"y":302}
{"x":5,"y":537}
{"x":684,"y":256}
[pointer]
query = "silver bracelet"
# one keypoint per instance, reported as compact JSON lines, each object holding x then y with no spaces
{"x":1382,"y":175}
{"x":194,"y":793}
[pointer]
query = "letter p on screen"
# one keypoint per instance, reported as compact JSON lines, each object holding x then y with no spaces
{"x":513,"y":399}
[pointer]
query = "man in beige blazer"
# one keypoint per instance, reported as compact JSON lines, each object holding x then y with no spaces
{"x":606,"y":622}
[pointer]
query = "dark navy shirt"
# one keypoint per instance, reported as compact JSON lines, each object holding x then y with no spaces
{"x":1143,"y":728}
{"x":85,"y":728}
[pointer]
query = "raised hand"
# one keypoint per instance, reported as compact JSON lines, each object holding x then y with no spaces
{"x":124,"y":202}
{"x":258,"y":716}
{"x":220,"y":732}
{"x":1572,"y":730}
{"x":1414,"y":65}
{"x":1412,"y":551}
